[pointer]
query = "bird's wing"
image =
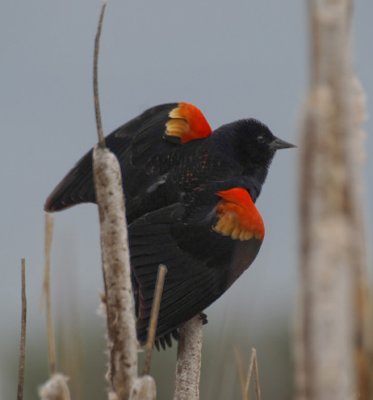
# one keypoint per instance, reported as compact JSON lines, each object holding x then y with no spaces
{"x":204,"y":252}
{"x":161,"y":128}
{"x":190,"y":285}
{"x":141,"y":145}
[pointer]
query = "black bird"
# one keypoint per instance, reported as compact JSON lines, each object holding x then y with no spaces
{"x":190,"y":195}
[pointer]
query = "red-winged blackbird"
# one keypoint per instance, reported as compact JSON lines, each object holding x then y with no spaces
{"x":190,"y":195}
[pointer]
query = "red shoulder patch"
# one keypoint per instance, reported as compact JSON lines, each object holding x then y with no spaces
{"x":187,"y":122}
{"x":238,"y":216}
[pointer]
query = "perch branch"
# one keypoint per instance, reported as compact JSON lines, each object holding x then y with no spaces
{"x":116,"y":270}
{"x":188,"y":364}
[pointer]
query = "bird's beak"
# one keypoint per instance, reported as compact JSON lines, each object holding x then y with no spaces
{"x":278,"y":144}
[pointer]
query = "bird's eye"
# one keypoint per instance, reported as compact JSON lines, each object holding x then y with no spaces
{"x":260,"y":139}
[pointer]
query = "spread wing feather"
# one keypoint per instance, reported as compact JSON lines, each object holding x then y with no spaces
{"x":142,"y":146}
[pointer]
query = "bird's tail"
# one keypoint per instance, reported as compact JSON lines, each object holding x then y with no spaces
{"x":76,"y":187}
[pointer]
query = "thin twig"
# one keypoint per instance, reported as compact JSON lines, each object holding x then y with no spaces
{"x":47,"y":292}
{"x":249,"y":374}
{"x":100,"y":132}
{"x":162,"y":271}
{"x":253,"y":368}
{"x":22,"y":344}
{"x":256,"y":377}
{"x":240,"y":367}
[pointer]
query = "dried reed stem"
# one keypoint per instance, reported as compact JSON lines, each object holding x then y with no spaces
{"x":22,"y":343}
{"x":116,"y":270}
{"x":332,"y":239}
{"x":162,"y":271}
{"x":100,"y":132}
{"x":56,"y":387}
{"x":121,"y":326}
{"x":241,"y":373}
{"x":47,"y":292}
{"x":188,"y":364}
{"x":253,"y":366}
{"x":253,"y":369}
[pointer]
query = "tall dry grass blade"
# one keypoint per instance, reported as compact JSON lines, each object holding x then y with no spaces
{"x":241,"y":372}
{"x":22,"y":343}
{"x":258,"y":393}
{"x":253,"y":369}
{"x":121,"y":326}
{"x":47,"y":292}
{"x":249,"y":373}
{"x":162,"y":271}
{"x":188,"y":364}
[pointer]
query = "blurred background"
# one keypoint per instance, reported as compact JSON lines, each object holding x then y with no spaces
{"x":232,"y":59}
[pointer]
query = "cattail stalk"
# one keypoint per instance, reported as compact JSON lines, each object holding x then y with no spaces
{"x":188,"y":364}
{"x":332,"y":256}
{"x":121,"y":326}
{"x":122,"y":341}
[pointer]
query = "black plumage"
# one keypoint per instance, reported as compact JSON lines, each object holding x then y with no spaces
{"x":174,"y":169}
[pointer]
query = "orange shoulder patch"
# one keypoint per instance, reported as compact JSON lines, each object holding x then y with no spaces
{"x":187,"y":123}
{"x":238,"y":216}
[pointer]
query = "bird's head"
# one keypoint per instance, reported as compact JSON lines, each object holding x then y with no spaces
{"x":253,"y":142}
{"x":256,"y":141}
{"x":253,"y":145}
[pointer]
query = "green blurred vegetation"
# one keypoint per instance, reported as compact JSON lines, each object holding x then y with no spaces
{"x":81,"y":356}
